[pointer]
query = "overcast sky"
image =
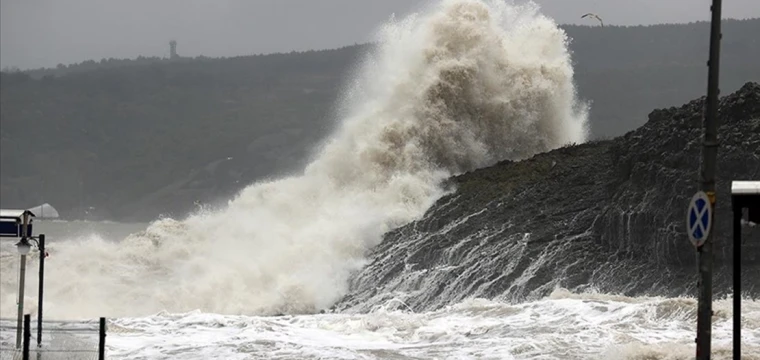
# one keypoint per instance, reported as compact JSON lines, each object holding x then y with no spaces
{"x":36,"y":33}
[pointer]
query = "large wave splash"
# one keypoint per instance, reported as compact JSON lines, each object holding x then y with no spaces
{"x":460,"y":86}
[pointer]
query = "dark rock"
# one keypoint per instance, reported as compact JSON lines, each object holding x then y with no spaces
{"x":607,"y":216}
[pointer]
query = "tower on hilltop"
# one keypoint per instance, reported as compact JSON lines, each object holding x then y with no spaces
{"x":173,"y":50}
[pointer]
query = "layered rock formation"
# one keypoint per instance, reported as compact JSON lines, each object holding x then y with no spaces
{"x":603,"y":216}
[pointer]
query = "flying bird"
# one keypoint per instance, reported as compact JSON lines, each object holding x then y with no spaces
{"x":594,"y":16}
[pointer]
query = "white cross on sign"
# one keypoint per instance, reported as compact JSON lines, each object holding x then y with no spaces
{"x":699,"y":218}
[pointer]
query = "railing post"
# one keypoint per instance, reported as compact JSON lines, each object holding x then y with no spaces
{"x":102,"y":342}
{"x":27,"y":336}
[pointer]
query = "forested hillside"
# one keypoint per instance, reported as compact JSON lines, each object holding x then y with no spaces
{"x":132,"y":139}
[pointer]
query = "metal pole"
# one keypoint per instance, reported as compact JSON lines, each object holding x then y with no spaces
{"x":737,"y":280}
{"x":27,"y":336}
{"x":709,"y":154}
{"x":102,"y":342}
{"x":41,"y":245}
{"x":21,"y":283}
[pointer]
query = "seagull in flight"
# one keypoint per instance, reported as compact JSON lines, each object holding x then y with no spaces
{"x":594,"y":16}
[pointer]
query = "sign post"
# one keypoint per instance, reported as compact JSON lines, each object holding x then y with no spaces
{"x":707,"y":182}
{"x":699,"y":220}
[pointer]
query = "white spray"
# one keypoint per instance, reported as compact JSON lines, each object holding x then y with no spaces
{"x":458,"y":87}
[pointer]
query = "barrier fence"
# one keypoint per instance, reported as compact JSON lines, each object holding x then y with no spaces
{"x":61,"y":340}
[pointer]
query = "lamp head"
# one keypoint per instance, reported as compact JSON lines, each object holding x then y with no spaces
{"x":23,"y":246}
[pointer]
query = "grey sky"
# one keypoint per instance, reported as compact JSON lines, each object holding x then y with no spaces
{"x":35,"y":33}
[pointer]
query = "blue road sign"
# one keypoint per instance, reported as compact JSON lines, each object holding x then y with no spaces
{"x":699,"y":218}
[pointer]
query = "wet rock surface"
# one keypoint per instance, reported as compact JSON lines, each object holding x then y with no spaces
{"x":604,"y":216}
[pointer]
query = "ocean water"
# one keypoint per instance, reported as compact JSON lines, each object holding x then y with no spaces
{"x":562,"y":326}
{"x":459,"y":85}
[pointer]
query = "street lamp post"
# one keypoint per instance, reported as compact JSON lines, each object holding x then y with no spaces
{"x":18,"y":224}
{"x":23,"y":247}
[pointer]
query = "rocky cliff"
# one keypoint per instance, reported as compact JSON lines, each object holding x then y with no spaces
{"x":604,"y":216}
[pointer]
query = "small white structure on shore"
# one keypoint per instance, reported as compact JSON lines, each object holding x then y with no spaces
{"x":45,"y":211}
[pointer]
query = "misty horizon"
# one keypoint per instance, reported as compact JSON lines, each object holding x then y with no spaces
{"x":166,"y":54}
{"x":46,"y":33}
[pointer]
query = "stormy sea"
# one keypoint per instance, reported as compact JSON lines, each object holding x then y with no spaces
{"x":458,"y":211}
